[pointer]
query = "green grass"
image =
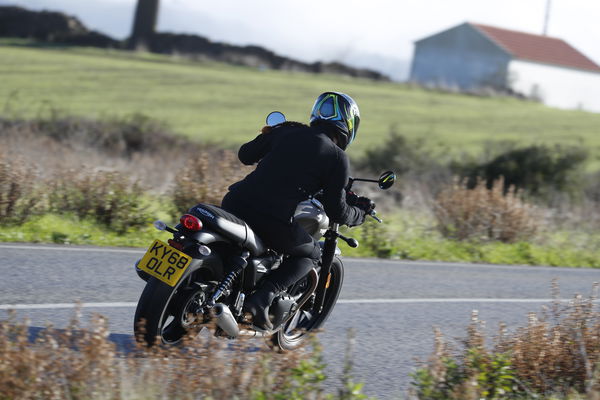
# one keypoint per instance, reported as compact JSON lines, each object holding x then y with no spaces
{"x":404,"y":236}
{"x":66,"y":229}
{"x":228,"y":104}
{"x":401,"y":237}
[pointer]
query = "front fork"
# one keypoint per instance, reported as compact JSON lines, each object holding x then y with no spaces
{"x":331,"y":238}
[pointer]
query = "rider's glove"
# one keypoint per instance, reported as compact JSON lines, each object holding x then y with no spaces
{"x":364,"y":203}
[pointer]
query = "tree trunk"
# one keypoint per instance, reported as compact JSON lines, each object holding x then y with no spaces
{"x":144,"y":24}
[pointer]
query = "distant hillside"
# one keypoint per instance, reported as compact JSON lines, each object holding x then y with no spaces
{"x":216,"y":102}
{"x":56,"y":27}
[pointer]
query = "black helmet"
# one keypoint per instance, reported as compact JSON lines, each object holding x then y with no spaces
{"x":340,"y":110}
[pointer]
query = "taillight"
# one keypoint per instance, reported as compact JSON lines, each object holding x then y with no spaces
{"x":190,"y":222}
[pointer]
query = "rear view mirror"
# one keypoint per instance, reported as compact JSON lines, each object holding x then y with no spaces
{"x":386,"y":180}
{"x":275,"y":118}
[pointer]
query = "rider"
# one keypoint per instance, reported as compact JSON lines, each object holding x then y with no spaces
{"x":295,"y":161}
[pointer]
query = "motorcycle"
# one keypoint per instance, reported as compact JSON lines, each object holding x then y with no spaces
{"x":201,"y":276}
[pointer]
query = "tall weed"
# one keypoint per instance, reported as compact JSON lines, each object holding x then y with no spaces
{"x":17,"y":196}
{"x":83,"y":363}
{"x":556,"y":355}
{"x":205,"y":179}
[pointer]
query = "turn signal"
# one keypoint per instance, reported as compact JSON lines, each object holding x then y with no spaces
{"x":190,"y":222}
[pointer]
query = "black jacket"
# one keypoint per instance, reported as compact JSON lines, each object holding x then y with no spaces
{"x":295,"y":160}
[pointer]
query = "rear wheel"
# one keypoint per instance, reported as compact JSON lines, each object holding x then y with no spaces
{"x":305,"y":320}
{"x":168,"y":314}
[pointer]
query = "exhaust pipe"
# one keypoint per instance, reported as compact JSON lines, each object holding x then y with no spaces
{"x":255,"y":333}
{"x":225,"y":320}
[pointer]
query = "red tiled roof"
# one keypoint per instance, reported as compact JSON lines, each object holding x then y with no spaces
{"x":544,"y":49}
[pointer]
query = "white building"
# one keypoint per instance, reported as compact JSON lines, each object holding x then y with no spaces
{"x":474,"y":56}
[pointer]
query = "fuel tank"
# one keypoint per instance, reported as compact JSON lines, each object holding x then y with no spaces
{"x":310,"y":214}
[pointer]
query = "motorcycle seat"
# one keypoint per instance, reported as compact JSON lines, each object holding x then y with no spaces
{"x":229,"y":225}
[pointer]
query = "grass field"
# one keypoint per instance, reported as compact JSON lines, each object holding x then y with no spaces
{"x":223,"y":103}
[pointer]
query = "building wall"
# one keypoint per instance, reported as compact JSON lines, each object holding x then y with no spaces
{"x":556,"y":86}
{"x":460,"y":57}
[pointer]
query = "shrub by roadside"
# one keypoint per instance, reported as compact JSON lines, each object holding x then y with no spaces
{"x":540,"y":170}
{"x":485,"y":214}
{"x":556,"y":356}
{"x":205,"y":179}
{"x":82,"y":363}
{"x":17,"y":183}
{"x":108,"y":197}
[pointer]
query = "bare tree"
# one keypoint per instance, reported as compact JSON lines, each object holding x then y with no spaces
{"x":144,"y":23}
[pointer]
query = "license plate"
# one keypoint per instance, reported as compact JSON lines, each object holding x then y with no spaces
{"x":164,"y":262}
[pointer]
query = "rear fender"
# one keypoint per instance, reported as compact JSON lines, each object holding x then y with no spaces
{"x":210,"y":267}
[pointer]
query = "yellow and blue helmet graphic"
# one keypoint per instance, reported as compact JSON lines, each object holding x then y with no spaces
{"x":340,"y":110}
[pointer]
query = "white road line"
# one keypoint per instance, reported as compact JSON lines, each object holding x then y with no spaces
{"x":413,"y":301}
{"x":341,"y":301}
{"x":66,"y":248}
{"x":64,"y":305}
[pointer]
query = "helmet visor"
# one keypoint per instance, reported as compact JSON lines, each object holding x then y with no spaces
{"x":327,"y":108}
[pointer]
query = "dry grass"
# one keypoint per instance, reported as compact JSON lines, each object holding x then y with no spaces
{"x":205,"y":179}
{"x":559,"y":350}
{"x":557,"y":355}
{"x":484,"y":214}
{"x":78,"y":363}
{"x":106,"y":196}
{"x":138,"y":146}
{"x":106,"y":169}
{"x":17,"y":184}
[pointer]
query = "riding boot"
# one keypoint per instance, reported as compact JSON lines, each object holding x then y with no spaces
{"x":258,"y":304}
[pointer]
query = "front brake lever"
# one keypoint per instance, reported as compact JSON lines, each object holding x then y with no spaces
{"x":373,"y":214}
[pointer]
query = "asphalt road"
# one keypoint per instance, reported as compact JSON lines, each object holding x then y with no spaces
{"x":391,"y":305}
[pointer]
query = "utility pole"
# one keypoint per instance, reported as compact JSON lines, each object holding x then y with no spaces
{"x":144,"y":23}
{"x":547,"y":17}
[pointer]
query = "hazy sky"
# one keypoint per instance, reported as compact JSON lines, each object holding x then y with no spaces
{"x":378,"y":34}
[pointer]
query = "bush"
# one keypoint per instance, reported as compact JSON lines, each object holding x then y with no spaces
{"x":556,"y":354}
{"x":107,"y":197}
{"x":592,"y":187}
{"x":484,"y":214}
{"x":401,"y":155}
{"x":117,"y":136}
{"x":83,"y":363}
{"x":536,"y":169}
{"x":205,"y":179}
{"x":17,"y":198}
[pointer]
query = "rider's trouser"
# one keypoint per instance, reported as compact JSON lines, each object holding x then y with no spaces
{"x":286,"y":238}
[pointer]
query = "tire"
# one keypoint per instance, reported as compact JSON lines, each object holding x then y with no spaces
{"x":163,"y":312}
{"x":293,"y":334}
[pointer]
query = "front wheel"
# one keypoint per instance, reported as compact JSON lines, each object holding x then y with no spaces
{"x":292,"y":335}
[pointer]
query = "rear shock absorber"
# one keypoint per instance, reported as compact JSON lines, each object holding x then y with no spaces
{"x":224,"y":288}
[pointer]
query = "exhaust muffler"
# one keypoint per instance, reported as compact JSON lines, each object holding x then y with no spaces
{"x":225,"y":320}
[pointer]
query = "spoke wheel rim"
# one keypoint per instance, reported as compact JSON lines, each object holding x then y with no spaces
{"x":179,"y":317}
